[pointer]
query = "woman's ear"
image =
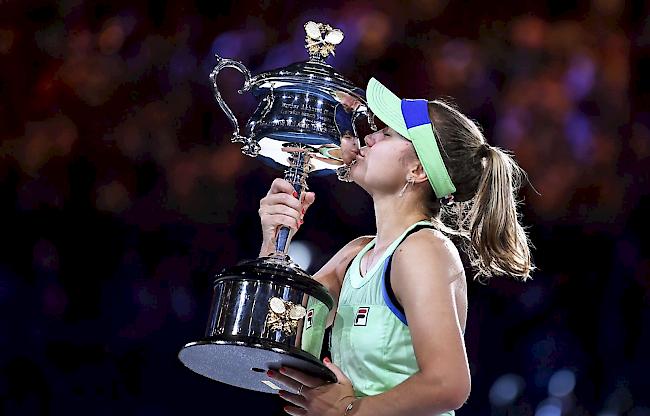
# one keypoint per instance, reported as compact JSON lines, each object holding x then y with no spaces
{"x":418,"y":174}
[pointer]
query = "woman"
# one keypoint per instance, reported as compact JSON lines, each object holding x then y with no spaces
{"x":397,"y":338}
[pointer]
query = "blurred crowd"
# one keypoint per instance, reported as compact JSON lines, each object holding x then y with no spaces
{"x":123,"y":195}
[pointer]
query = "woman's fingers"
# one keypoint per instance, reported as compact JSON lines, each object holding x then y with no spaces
{"x":295,"y":411}
{"x":296,"y":399}
{"x":278,"y":220}
{"x":307,"y":199}
{"x":302,"y":378}
{"x":281,"y":210}
{"x":281,"y":200}
{"x":280,"y":185}
{"x":293,"y":378}
{"x":287,"y":381}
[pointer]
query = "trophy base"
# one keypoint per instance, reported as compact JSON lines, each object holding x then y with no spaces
{"x":243,"y":363}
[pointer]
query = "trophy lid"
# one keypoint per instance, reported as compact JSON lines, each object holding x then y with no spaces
{"x":314,"y":74}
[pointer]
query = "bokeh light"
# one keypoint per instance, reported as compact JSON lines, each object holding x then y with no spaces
{"x":123,"y":196}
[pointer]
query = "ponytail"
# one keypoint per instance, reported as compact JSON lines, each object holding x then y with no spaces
{"x":500,"y":243}
{"x":485,"y":213}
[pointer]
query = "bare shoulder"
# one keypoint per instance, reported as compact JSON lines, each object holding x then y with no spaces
{"x":358,"y":243}
{"x":430,"y":250}
{"x":332,"y":273}
{"x":349,"y":251}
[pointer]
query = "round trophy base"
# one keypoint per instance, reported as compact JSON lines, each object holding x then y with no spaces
{"x":244,"y":363}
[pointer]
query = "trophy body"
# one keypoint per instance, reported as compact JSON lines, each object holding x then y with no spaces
{"x":267,"y":313}
{"x":264,"y":315}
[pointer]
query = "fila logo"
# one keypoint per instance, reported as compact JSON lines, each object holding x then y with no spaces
{"x":310,"y":319}
{"x":362,"y":316}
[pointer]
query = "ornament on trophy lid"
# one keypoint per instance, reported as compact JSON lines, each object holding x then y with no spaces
{"x":321,"y":40}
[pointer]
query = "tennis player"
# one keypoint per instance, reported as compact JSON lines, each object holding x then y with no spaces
{"x":397,"y":340}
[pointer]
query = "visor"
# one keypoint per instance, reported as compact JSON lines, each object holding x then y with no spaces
{"x":410,"y":118}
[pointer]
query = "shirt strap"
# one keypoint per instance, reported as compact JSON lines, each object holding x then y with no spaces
{"x":386,"y":288}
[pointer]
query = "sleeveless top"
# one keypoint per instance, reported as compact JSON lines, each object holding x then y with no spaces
{"x":370,"y":340}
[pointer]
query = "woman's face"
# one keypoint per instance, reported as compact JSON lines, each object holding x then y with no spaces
{"x":381,"y":164}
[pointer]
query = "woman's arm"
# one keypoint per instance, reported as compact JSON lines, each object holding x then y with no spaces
{"x":426,"y":275}
{"x":331,"y":275}
{"x":281,"y":208}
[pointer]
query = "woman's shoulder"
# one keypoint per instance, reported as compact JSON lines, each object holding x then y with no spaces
{"x":332,"y":273}
{"x":358,"y":243}
{"x":349,"y":252}
{"x":431,"y":247}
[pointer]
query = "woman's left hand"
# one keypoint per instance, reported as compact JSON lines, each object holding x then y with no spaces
{"x":318,"y":398}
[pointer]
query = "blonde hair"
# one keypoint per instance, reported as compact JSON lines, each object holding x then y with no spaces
{"x":485,"y":209}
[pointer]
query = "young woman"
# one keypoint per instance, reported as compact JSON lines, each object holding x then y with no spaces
{"x":397,"y":337}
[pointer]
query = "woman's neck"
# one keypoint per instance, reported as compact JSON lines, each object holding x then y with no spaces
{"x":394,"y":214}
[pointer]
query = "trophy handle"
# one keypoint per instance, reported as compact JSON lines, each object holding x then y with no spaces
{"x":296,"y":175}
{"x":251,"y":147}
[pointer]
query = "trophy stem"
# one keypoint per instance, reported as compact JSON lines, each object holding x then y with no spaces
{"x":296,"y":174}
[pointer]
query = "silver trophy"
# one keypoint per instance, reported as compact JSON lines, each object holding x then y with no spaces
{"x":268,"y":312}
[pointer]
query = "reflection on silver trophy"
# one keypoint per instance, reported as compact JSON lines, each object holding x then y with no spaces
{"x":267,"y":313}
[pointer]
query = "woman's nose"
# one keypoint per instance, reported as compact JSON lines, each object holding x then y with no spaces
{"x":369,"y":140}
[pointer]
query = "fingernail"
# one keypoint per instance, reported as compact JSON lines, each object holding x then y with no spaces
{"x":295,"y":194}
{"x":327,"y":360}
{"x":270,"y":373}
{"x":282,"y":370}
{"x":303,"y":211}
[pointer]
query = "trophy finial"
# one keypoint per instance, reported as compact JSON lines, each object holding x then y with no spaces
{"x":321,"y":39}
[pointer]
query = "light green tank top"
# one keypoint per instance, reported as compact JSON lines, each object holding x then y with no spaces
{"x":370,"y":344}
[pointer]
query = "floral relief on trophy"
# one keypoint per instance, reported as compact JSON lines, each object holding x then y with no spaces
{"x":284,"y":316}
{"x":321,"y":39}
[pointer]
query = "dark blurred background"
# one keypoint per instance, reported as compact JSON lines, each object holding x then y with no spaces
{"x":121,"y":194}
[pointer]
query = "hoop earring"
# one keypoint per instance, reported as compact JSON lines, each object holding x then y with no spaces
{"x":408,"y":180}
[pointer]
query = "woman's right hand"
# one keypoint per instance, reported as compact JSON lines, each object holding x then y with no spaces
{"x":281,"y":208}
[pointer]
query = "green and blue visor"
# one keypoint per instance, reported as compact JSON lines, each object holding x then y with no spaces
{"x":410,"y":118}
